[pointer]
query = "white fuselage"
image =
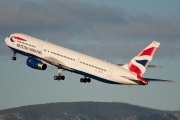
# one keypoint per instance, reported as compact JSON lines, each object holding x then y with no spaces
{"x":78,"y":62}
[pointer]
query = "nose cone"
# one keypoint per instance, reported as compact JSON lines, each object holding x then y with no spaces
{"x":6,"y":40}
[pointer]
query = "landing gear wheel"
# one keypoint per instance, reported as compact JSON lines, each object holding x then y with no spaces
{"x":59,"y":77}
{"x":84,"y":80}
{"x":62,"y":77}
{"x":88,"y":80}
{"x":55,"y":77}
{"x":81,"y":80}
{"x":13,"y":58}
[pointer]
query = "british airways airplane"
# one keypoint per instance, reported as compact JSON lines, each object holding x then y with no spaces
{"x":42,"y":53}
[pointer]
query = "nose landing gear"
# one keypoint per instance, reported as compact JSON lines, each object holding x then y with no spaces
{"x":13,"y":56}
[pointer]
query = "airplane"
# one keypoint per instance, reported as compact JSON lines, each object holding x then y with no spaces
{"x":41,"y":53}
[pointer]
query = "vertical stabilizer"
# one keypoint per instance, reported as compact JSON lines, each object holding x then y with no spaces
{"x":140,"y":62}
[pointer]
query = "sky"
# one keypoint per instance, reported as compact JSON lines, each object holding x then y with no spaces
{"x":114,"y":30}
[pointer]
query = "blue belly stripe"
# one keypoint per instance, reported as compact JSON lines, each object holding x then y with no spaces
{"x":94,"y":77}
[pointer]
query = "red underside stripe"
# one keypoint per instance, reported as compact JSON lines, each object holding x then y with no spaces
{"x":144,"y":82}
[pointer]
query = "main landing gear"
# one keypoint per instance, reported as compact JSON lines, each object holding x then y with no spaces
{"x":13,"y":56}
{"x":84,"y":80}
{"x":62,"y":77}
{"x":59,"y":76}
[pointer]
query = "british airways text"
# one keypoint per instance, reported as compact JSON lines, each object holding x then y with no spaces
{"x":28,"y":48}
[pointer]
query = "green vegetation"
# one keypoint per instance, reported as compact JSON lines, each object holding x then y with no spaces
{"x":86,"y":111}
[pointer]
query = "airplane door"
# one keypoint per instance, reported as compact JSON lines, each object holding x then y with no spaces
{"x":110,"y":72}
{"x":13,"y":42}
{"x":40,"y":49}
{"x":77,"y":61}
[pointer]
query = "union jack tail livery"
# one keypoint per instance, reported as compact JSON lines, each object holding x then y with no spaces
{"x":140,"y":62}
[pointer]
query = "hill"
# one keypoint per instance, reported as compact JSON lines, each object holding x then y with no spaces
{"x":86,"y":111}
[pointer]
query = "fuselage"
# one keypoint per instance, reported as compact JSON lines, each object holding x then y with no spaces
{"x":75,"y":61}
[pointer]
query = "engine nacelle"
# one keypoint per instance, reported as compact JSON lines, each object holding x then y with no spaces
{"x":35,"y":63}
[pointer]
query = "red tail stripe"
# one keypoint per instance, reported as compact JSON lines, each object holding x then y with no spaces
{"x":150,"y":52}
{"x":135,"y":69}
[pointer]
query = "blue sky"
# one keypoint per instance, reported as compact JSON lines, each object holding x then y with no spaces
{"x":115,"y":30}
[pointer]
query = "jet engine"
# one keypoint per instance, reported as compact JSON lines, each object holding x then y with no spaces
{"x":35,"y":63}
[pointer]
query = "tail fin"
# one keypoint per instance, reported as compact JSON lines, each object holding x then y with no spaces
{"x":140,"y":62}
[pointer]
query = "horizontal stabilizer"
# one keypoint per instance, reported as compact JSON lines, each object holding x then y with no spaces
{"x":145,"y":81}
{"x":157,"y":80}
{"x":154,"y":66}
{"x":149,"y":66}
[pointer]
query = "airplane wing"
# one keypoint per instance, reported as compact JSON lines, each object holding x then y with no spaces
{"x":52,"y":61}
{"x":149,"y":66}
{"x":56,"y":62}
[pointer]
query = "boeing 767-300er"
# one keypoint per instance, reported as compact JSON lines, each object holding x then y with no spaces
{"x":41,"y":53}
